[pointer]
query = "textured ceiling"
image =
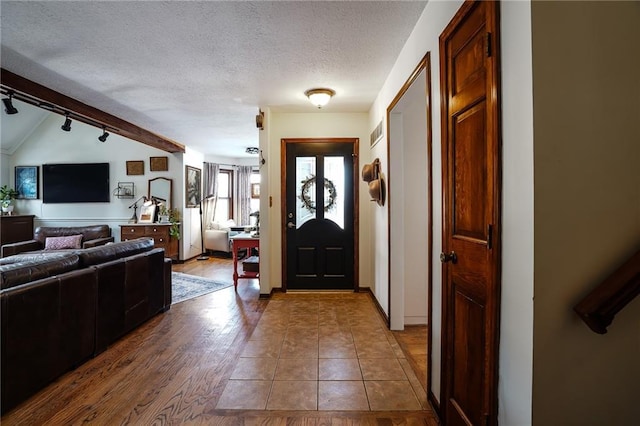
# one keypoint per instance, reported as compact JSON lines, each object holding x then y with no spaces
{"x":196,"y":71}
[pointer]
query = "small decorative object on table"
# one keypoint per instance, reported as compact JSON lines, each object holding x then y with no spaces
{"x":163,"y":214}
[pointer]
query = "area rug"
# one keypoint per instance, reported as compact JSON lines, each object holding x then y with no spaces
{"x":185,"y":286}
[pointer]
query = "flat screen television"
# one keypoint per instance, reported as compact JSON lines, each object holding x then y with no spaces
{"x":75,"y":183}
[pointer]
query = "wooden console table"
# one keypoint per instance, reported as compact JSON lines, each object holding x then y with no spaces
{"x":158,"y":231}
{"x":16,"y":228}
{"x":238,"y":242}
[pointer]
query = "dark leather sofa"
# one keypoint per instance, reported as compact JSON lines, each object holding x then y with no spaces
{"x":58,"y":309}
{"x":92,"y":236}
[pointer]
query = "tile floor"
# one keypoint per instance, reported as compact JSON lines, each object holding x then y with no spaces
{"x":322,"y":351}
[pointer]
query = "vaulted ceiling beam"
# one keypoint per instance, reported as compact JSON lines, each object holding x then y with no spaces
{"x":91,"y":115}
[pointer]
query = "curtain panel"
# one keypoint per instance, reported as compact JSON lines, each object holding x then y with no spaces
{"x":243,"y":192}
{"x":211,"y":171}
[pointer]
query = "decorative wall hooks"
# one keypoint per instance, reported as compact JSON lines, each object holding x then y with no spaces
{"x":372,"y":175}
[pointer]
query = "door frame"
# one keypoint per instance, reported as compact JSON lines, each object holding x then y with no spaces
{"x":356,"y":208}
{"x":423,"y":65}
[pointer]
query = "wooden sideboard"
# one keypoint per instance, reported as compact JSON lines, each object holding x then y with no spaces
{"x":158,"y":231}
{"x":16,"y":228}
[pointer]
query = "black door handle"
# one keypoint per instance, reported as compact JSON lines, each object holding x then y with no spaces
{"x":449,"y":257}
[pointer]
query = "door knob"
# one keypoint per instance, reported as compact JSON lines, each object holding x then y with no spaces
{"x":291,"y":225}
{"x":449,"y":257}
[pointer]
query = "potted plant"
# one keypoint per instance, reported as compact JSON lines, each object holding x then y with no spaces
{"x":174,"y":218}
{"x":164,"y":214}
{"x":7,"y":195}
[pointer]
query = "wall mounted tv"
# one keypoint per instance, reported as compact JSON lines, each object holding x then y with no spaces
{"x":75,"y":183}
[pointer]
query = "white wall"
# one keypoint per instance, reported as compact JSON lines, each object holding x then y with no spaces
{"x":587,"y":207}
{"x":48,"y":144}
{"x":409,"y":183}
{"x":516,"y":316}
{"x":309,"y":125}
{"x":416,"y":214}
{"x":5,"y":160}
{"x":396,"y":210}
{"x":191,"y":227}
{"x":379,"y":220}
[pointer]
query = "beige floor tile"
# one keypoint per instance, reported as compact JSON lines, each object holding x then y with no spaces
{"x":262,"y":349}
{"x":374,"y":350}
{"x":254,"y":369}
{"x":245,"y":395}
{"x":301,"y":335}
{"x":312,"y":352}
{"x":339,"y":369}
{"x":342,"y":395}
{"x":266,"y":333}
{"x":381,"y":369}
{"x":293,"y":395}
{"x":297,"y":369}
{"x":391,"y":395}
{"x":336,"y":348}
{"x":302,"y":349}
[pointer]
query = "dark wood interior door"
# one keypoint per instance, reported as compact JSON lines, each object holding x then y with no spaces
{"x":471,"y":182}
{"x":319,"y":215}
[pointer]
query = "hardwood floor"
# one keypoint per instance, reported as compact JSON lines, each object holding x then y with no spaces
{"x":174,"y":368}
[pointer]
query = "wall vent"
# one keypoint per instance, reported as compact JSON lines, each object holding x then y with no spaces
{"x":376,"y":134}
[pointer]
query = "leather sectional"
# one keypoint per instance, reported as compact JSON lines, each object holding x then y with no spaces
{"x":60,"y":308}
{"x":92,"y":236}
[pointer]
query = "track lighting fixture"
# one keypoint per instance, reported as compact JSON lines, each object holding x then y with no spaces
{"x":67,"y":123}
{"x":104,"y":136}
{"x":8,"y":105}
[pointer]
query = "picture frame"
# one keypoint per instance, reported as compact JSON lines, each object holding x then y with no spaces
{"x":27,"y":182}
{"x":147,"y":214}
{"x":193,"y":186}
{"x":159,"y":164}
{"x":255,"y":190}
{"x":135,"y":167}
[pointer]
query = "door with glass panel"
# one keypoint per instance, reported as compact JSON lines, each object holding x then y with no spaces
{"x":318,"y":214}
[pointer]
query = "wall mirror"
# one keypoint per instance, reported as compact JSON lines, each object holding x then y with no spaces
{"x":160,"y":188}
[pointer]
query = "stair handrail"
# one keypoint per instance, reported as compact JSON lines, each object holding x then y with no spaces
{"x":598,"y":308}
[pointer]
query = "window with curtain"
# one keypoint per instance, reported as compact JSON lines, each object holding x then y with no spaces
{"x":224,"y":208}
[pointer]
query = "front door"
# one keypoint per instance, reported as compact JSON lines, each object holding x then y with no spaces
{"x":318,"y":214}
{"x":471,"y":233}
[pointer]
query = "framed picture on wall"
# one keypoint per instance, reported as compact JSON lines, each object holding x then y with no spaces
{"x":135,"y":168}
{"x":159,"y":164}
{"x":27,"y":182}
{"x":255,"y":190}
{"x":193,"y":186}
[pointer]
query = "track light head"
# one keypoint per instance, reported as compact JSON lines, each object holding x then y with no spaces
{"x":8,"y":105}
{"x":104,"y":136}
{"x":67,"y":124}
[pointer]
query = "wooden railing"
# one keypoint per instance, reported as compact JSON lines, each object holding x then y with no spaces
{"x":600,"y":306}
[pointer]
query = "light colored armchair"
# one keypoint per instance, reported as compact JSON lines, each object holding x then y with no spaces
{"x":216,"y":238}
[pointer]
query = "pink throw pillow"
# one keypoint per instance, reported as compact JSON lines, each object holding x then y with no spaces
{"x":59,"y":243}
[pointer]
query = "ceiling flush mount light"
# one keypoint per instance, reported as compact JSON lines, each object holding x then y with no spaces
{"x":320,"y":96}
{"x":252,"y":150}
{"x":8,"y":105}
{"x":104,"y":136}
{"x":67,"y":123}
